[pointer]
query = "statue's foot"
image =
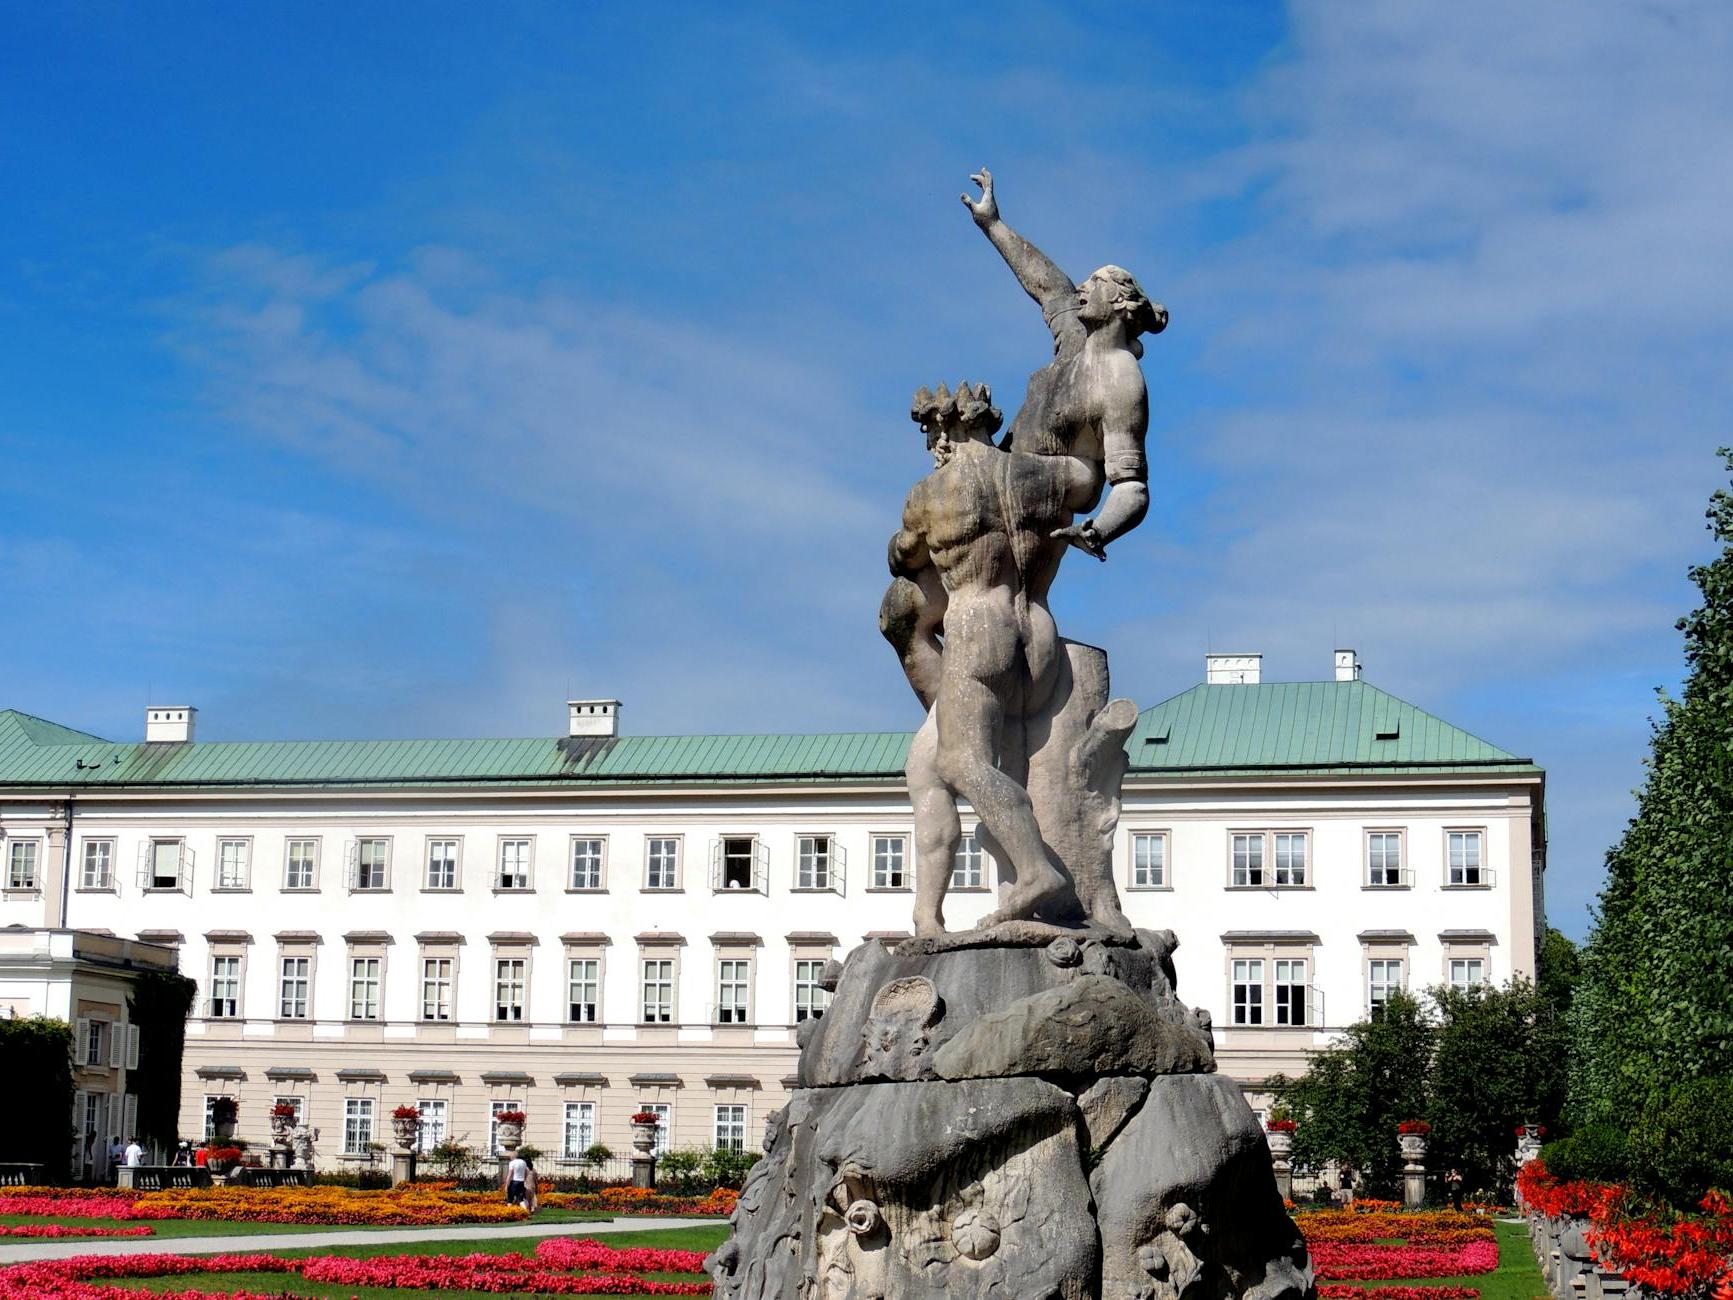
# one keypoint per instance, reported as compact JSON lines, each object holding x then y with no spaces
{"x":1024,"y":895}
{"x":928,"y":924}
{"x":1109,"y":917}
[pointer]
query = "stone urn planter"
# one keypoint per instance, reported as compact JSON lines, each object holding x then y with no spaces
{"x":407,"y":1129}
{"x":1281,"y":1143}
{"x":644,"y":1137}
{"x":1411,"y":1135}
{"x":1413,"y":1147}
{"x":511,"y":1136}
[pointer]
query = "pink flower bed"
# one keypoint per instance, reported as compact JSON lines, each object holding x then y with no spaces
{"x":1398,"y":1293}
{"x":76,"y":1207}
{"x":560,"y":1266}
{"x":63,"y":1230}
{"x":1345,"y":1261}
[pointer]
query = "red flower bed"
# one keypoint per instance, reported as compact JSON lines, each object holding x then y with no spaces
{"x":559,"y":1267}
{"x":66,"y":1230}
{"x":1343,"y":1261}
{"x":1398,"y":1293}
{"x":70,"y":1203}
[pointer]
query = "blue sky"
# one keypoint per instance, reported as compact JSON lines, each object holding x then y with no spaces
{"x":395,"y":370}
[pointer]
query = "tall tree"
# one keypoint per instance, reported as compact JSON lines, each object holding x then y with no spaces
{"x":1655,"y":1005}
{"x":1499,"y":1061}
{"x":1356,"y":1091}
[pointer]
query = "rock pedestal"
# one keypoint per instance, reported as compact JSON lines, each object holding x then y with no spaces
{"x":1026,"y":1113}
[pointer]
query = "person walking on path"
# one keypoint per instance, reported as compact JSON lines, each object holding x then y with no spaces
{"x":532,"y":1186}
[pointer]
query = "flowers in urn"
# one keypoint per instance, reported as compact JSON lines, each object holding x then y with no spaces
{"x":644,"y":1126}
{"x":406,"y":1126}
{"x":224,"y":1111}
{"x":283,"y":1117}
{"x":511,"y":1128}
{"x":1412,"y":1127}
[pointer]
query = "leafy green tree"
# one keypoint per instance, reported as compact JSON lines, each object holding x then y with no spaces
{"x":1560,"y":970}
{"x":1654,"y":1008}
{"x":1355,"y":1092}
{"x":36,"y":1093}
{"x":1499,"y":1060}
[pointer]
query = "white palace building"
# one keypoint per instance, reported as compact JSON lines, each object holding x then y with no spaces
{"x":592,"y":924}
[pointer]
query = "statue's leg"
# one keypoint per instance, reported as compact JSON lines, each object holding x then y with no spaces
{"x":1074,"y":781}
{"x":937,"y":828}
{"x":970,"y":715}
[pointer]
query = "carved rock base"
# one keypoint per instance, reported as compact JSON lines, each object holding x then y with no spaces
{"x":1012,"y":1122}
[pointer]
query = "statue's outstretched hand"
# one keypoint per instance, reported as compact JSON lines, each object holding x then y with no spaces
{"x":1084,"y":537}
{"x":985,"y":209}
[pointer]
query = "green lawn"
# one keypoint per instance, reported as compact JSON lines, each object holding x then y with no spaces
{"x":1517,"y":1276}
{"x":169,"y":1228}
{"x":280,"y":1284}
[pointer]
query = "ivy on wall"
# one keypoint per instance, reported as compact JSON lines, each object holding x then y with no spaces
{"x":36,"y":1093}
{"x":158,"y":1005}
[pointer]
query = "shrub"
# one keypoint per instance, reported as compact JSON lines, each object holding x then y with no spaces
{"x":724,"y":1168}
{"x":1596,"y":1153}
{"x":1681,"y":1145}
{"x":597,"y":1152}
{"x":453,"y":1159}
{"x":530,"y":1152}
{"x":37,"y":1082}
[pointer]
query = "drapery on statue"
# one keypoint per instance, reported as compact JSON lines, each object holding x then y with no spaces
{"x":1018,"y":718}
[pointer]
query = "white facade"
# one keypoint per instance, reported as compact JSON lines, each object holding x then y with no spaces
{"x":708,"y":911}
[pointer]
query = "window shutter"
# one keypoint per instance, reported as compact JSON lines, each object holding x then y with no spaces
{"x":116,"y":1045}
{"x":81,"y":1042}
{"x":354,"y":859}
{"x":184,"y":869}
{"x":838,"y":867}
{"x":144,"y":865}
{"x":80,"y":1134}
{"x":129,"y":1112}
{"x":716,"y":864}
{"x":132,"y":1047}
{"x":760,"y":867}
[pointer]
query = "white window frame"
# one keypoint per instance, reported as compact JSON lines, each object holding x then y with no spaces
{"x":968,"y":864}
{"x":366,"y":987}
{"x":811,"y":998}
{"x":183,"y":864}
{"x":1293,"y":874}
{"x":511,"y":973}
{"x":734,"y":989}
{"x":93,"y":1041}
{"x":438,"y":987}
{"x":594,"y":860}
{"x":662,"y":854}
{"x":453,"y":861}
{"x":579,"y":980}
{"x":241,"y":881}
{"x":525,"y":875}
{"x":1478,"y":974}
{"x":723,"y":876}
{"x":729,"y":1128}
{"x":1146,"y":874}
{"x":1379,"y":869}
{"x":224,"y":1002}
{"x":658,"y":982}
{"x":359,"y":1114}
{"x":1291,"y":998}
{"x":577,"y":1129}
{"x":1248,"y":860}
{"x":24,"y":865}
{"x":435,"y":1123}
{"x":890,"y":866}
{"x":1246,"y":992}
{"x":815,"y":863}
{"x":360,"y":862}
{"x":310,"y":861}
{"x":1457,"y":877}
{"x":99,"y":852}
{"x":288,"y":980}
{"x":1377,"y":973}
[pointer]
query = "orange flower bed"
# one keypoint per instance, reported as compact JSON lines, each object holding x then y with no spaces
{"x":641,"y":1200}
{"x":1417,"y":1228}
{"x":412,"y":1205}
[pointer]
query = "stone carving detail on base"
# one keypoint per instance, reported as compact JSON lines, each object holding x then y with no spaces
{"x":1013,"y":1119}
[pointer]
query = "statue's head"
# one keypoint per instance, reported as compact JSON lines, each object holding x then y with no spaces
{"x":1114,"y":293}
{"x":947,"y":418}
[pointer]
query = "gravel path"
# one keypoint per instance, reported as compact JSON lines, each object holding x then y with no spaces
{"x":17,"y":1251}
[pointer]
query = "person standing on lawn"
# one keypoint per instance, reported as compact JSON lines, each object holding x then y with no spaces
{"x":516,"y":1175}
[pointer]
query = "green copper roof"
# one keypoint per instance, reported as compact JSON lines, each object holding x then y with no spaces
{"x":1290,"y":727}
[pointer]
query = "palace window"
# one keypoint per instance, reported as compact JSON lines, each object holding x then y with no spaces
{"x":510,"y":983}
{"x":357,"y":1125}
{"x":1290,"y":857}
{"x":1465,"y":861}
{"x":1149,"y":860}
{"x":966,"y":866}
{"x":662,"y":863}
{"x":225,"y":987}
{"x":587,"y":863}
{"x":578,"y":1134}
{"x":730,"y":1128}
{"x":1466,"y":972}
{"x":303,"y":859}
{"x":733,"y":990}
{"x":583,"y":990}
{"x":364,"y":975}
{"x":514,"y":864}
{"x":890,"y":852}
{"x":1248,"y":860}
{"x":658,"y":989}
{"x":810,"y":996}
{"x":295,"y":988}
{"x":98,"y":870}
{"x":436,"y":988}
{"x":1248,"y":991}
{"x":665,"y":1130}
{"x":1383,"y":977}
{"x":435,"y":1123}
{"x":234,"y":864}
{"x":370,"y":862}
{"x":812,"y":869}
{"x":441,"y":865}
{"x":21,"y":864}
{"x":1292,"y":989}
{"x":1384,"y":859}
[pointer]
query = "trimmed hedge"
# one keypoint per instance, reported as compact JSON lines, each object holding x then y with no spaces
{"x":36,"y":1093}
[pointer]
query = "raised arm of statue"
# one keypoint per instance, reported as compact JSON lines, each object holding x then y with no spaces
{"x":1039,"y":275}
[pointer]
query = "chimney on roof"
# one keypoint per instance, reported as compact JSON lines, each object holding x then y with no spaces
{"x":1233,"y":670}
{"x":593,"y":717}
{"x":1347,"y":666}
{"x":170,"y":723}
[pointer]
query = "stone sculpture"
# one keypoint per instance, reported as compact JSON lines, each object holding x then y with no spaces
{"x":1025,"y":1110}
